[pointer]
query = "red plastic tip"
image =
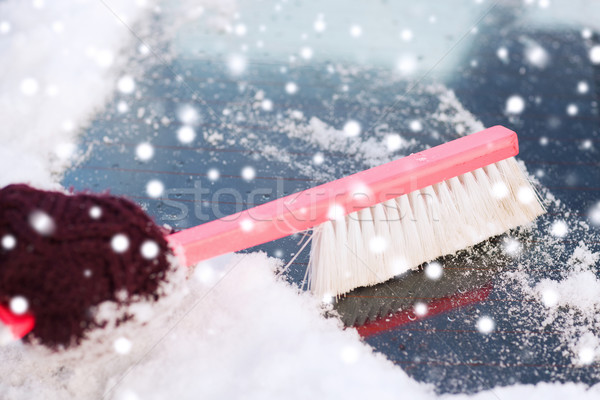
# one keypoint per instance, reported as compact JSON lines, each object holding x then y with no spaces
{"x":17,"y":325}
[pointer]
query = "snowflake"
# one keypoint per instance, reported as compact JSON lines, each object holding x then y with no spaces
{"x":544,"y":3}
{"x":291,"y":88}
{"x":150,"y":249}
{"x":586,"y":355}
{"x":186,"y":134}
{"x":266,"y":105}
{"x":65,"y":151}
{"x":378,"y":244}
{"x":393,"y":142}
{"x":512,"y":246}
{"x":500,"y":190}
{"x":319,"y":25}
{"x":248,"y":173}
{"x":406,"y":35}
{"x":144,"y":151}
{"x":237,"y":64}
{"x":572,"y":110}
{"x":42,"y":223}
{"x":306,"y":53}
{"x":595,"y":54}
{"x":9,"y":242}
{"x":525,"y":195}
{"x":485,"y":325}
{"x":583,"y":87}
{"x":502,"y":54}
{"x":126,"y":84}
{"x":205,"y":274}
{"x":559,"y":229}
{"x":122,"y":107}
{"x":594,"y":215}
{"x":18,"y":305}
{"x":586,"y":144}
{"x":416,"y":126}
{"x":336,"y":212}
{"x":352,"y":128}
{"x":122,"y":345}
{"x":515,"y":104}
{"x":95,"y":212}
{"x":213,"y":174}
{"x":407,"y":64}
{"x":240,"y":29}
{"x":420,"y":309}
{"x":318,"y":158}
{"x":119,"y":243}
{"x":155,"y":188}
{"x":434,"y":270}
{"x":247,"y":224}
{"x":537,"y":56}
{"x":550,"y":298}
{"x":355,"y":31}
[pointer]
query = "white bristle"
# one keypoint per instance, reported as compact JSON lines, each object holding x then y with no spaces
{"x":377,"y":243}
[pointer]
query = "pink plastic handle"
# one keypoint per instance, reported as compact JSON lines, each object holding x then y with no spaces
{"x":311,"y":207}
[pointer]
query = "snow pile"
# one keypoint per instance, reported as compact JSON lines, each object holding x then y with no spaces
{"x":233,"y":329}
{"x":574,"y":302}
{"x":61,"y":63}
{"x":337,"y":142}
{"x":261,"y":339}
{"x":83,"y":371}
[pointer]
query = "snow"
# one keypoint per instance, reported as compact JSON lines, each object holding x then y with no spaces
{"x":352,"y":128}
{"x":248,"y":173}
{"x":149,"y":249}
{"x":8,"y":242}
{"x":18,"y":305}
{"x":119,"y":243}
{"x":515,"y":104}
{"x":155,"y":188}
{"x":595,"y":54}
{"x":355,"y":31}
{"x":186,"y":134}
{"x":485,"y":325}
{"x":291,"y":88}
{"x":434,"y":270}
{"x":319,"y":25}
{"x":237,"y":64}
{"x":38,"y":85}
{"x":213,"y":174}
{"x":95,"y":212}
{"x":144,"y":151}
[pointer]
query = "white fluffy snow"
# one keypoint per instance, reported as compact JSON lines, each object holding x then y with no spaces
{"x":54,"y":79}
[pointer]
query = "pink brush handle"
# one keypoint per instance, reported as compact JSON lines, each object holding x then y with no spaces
{"x":311,"y":207}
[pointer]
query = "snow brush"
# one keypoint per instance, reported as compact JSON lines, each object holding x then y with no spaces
{"x":65,"y":254}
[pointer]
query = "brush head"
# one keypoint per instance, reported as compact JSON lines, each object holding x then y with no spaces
{"x":380,"y":242}
{"x":62,"y":255}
